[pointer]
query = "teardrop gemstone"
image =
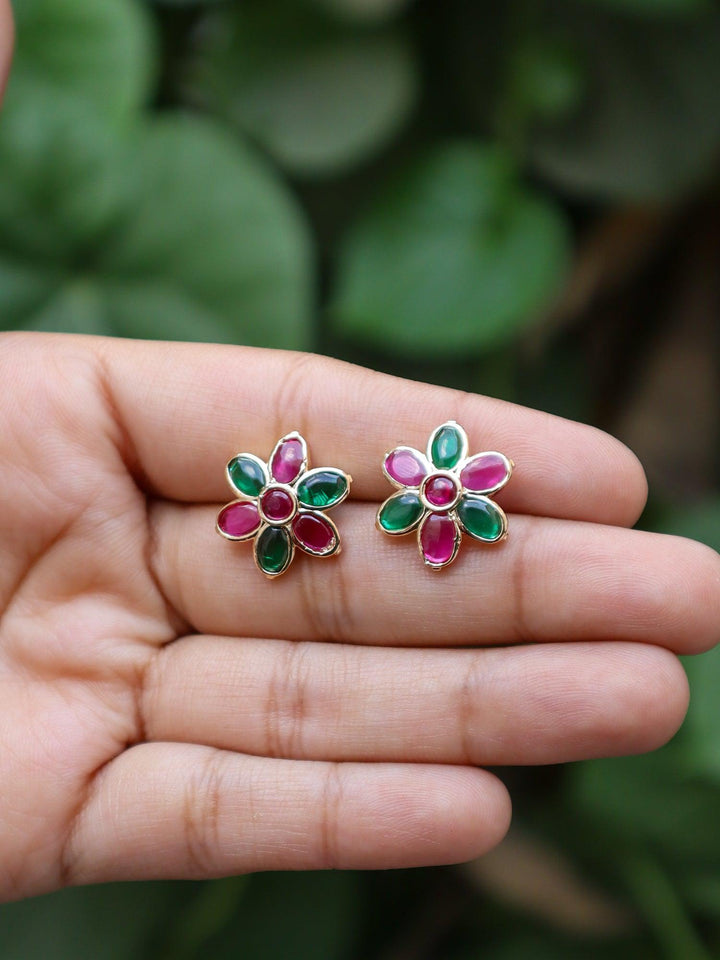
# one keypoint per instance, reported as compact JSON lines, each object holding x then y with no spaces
{"x":287,"y":460}
{"x":406,"y":466}
{"x":247,"y":475}
{"x":322,"y":488}
{"x":401,"y":513}
{"x":483,"y":519}
{"x":273,"y":550}
{"x":485,"y":473}
{"x":438,"y":539}
{"x":448,"y":446}
{"x":314,"y":533}
{"x":238,"y":520}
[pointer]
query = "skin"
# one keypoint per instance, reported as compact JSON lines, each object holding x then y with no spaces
{"x":7,"y":37}
{"x":168,"y":712}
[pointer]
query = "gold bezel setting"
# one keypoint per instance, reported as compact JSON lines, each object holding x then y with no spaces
{"x":328,"y":544}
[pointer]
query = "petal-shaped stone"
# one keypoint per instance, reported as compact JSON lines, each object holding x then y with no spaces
{"x":486,"y":472}
{"x":274,"y":550}
{"x":400,"y":513}
{"x":483,"y":519}
{"x":314,"y":533}
{"x":238,"y":520}
{"x":322,"y":488}
{"x":448,"y":446}
{"x":287,"y":460}
{"x":406,"y":466}
{"x":439,"y":538}
{"x":247,"y":474}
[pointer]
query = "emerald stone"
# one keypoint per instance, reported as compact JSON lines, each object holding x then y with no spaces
{"x":273,"y":550}
{"x":400,"y":513}
{"x":482,"y":518}
{"x":247,"y":475}
{"x":322,"y":488}
{"x":448,"y":446}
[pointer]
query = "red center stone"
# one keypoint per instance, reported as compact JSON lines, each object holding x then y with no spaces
{"x":440,"y":491}
{"x":277,"y":505}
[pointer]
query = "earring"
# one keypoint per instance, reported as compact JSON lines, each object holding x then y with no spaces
{"x":443,"y":494}
{"x":281,"y":505}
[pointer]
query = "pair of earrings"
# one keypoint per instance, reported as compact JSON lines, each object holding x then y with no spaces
{"x":442,"y":494}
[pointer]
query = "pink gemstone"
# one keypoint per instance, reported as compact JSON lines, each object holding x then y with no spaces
{"x":406,"y":467}
{"x":287,"y":461}
{"x":277,"y":505}
{"x":313,"y":533}
{"x":440,"y":491}
{"x":486,"y":471}
{"x":437,"y":538}
{"x":239,"y":519}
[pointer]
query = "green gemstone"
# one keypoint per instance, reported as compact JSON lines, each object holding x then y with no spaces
{"x":447,"y":447}
{"x":400,"y":513}
{"x":247,"y":475}
{"x":273,"y":549}
{"x":322,"y":488}
{"x":481,"y":518}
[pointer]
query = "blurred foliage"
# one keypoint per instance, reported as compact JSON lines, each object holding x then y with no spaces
{"x":507,"y":197}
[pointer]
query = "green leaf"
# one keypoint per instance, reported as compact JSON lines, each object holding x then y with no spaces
{"x":112,"y":922}
{"x":99,"y":52}
{"x":304,"y":916}
{"x":456,"y":255}
{"x":65,"y":177}
{"x":650,"y":802}
{"x":316,"y":95}
{"x":204,"y":917}
{"x":649,"y":127}
{"x":200,"y":242}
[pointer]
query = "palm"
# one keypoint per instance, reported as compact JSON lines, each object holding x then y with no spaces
{"x":327,"y":718}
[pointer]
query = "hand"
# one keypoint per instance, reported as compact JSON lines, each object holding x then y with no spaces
{"x":168,"y":712}
{"x":6,"y":42}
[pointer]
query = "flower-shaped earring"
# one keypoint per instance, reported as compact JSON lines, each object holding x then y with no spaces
{"x":279,"y":504}
{"x":444,"y":494}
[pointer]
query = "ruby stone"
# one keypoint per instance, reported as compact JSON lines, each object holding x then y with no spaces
{"x":440,"y":491}
{"x":437,"y":538}
{"x":238,"y":519}
{"x":313,"y":533}
{"x":485,"y":472}
{"x":287,"y":461}
{"x":406,"y":467}
{"x":277,"y":505}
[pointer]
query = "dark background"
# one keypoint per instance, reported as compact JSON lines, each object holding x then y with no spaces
{"x":519,"y":198}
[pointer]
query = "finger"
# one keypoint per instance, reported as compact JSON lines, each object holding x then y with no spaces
{"x":316,"y":701}
{"x":550,"y":580}
{"x":178,"y":810}
{"x":7,"y":37}
{"x":188,"y":408}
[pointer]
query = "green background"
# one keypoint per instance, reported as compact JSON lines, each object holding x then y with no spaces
{"x":516,"y":198}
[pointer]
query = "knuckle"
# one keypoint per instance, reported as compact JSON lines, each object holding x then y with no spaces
{"x":201,"y":816}
{"x":285,"y":709}
{"x":329,"y":855}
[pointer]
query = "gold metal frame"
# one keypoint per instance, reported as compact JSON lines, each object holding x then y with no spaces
{"x":299,"y":508}
{"x":452,"y":512}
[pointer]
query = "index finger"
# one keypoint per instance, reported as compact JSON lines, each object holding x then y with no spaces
{"x":188,"y":408}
